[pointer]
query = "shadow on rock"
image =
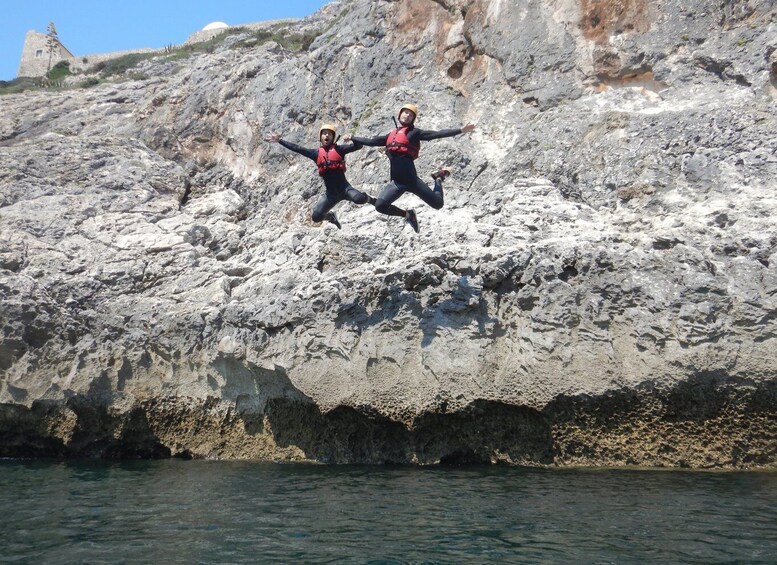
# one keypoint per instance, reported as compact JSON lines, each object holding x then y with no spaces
{"x":24,"y":431}
{"x":401,"y":307}
{"x":483,"y":432}
{"x":712,"y":420}
{"x":78,"y":428}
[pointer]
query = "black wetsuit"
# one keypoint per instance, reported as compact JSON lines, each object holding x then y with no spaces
{"x":404,"y":177}
{"x":337,"y":186}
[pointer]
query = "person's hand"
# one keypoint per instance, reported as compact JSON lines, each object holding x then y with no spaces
{"x":347,"y":137}
{"x":272,"y":137}
{"x":468,"y":128}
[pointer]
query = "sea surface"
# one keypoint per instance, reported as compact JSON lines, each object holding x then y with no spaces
{"x":245,"y":512}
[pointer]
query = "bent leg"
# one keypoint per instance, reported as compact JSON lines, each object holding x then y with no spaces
{"x":355,"y":196}
{"x":323,"y":206}
{"x":389,"y":194}
{"x":433,"y":198}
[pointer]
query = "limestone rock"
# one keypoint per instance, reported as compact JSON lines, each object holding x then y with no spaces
{"x":599,"y":288}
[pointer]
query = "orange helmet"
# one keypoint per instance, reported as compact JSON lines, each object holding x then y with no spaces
{"x":409,"y":106}
{"x":330,"y":127}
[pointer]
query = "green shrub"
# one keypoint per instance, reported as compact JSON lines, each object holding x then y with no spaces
{"x":366,"y":113}
{"x":18,"y":85}
{"x":120,"y":65}
{"x":59,"y":71}
{"x":89,"y":83}
{"x":134,"y":75}
{"x":207,"y":46}
{"x":280,"y":35}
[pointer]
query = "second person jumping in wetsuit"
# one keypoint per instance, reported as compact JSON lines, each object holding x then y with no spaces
{"x":330,"y":158}
{"x":402,"y":147}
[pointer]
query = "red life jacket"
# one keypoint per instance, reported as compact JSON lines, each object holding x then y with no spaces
{"x":329,"y":160}
{"x":398,"y":142}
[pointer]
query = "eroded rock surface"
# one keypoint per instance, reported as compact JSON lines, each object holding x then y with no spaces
{"x":600,"y":288}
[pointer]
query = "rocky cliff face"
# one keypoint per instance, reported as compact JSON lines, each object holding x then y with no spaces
{"x":600,"y":288}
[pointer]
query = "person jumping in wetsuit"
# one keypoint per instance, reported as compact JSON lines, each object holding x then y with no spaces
{"x":330,"y":158}
{"x":402,"y":146}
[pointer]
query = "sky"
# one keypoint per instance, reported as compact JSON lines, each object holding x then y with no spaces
{"x":95,"y":26}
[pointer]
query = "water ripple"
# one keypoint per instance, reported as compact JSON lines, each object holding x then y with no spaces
{"x":237,"y":512}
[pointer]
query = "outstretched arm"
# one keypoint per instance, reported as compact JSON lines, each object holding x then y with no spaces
{"x":426,"y":135}
{"x":349,"y":147}
{"x":378,"y":141}
{"x":276,"y":138}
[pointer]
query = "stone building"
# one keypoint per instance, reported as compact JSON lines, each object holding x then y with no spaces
{"x":35,"y":55}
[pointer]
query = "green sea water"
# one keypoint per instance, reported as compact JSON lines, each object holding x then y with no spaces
{"x":245,"y":512}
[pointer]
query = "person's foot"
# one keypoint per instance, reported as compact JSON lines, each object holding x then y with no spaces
{"x":411,"y":219}
{"x":333,"y":219}
{"x":442,"y":174}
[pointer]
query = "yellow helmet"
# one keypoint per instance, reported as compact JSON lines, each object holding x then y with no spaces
{"x":409,"y":106}
{"x":330,"y":127}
